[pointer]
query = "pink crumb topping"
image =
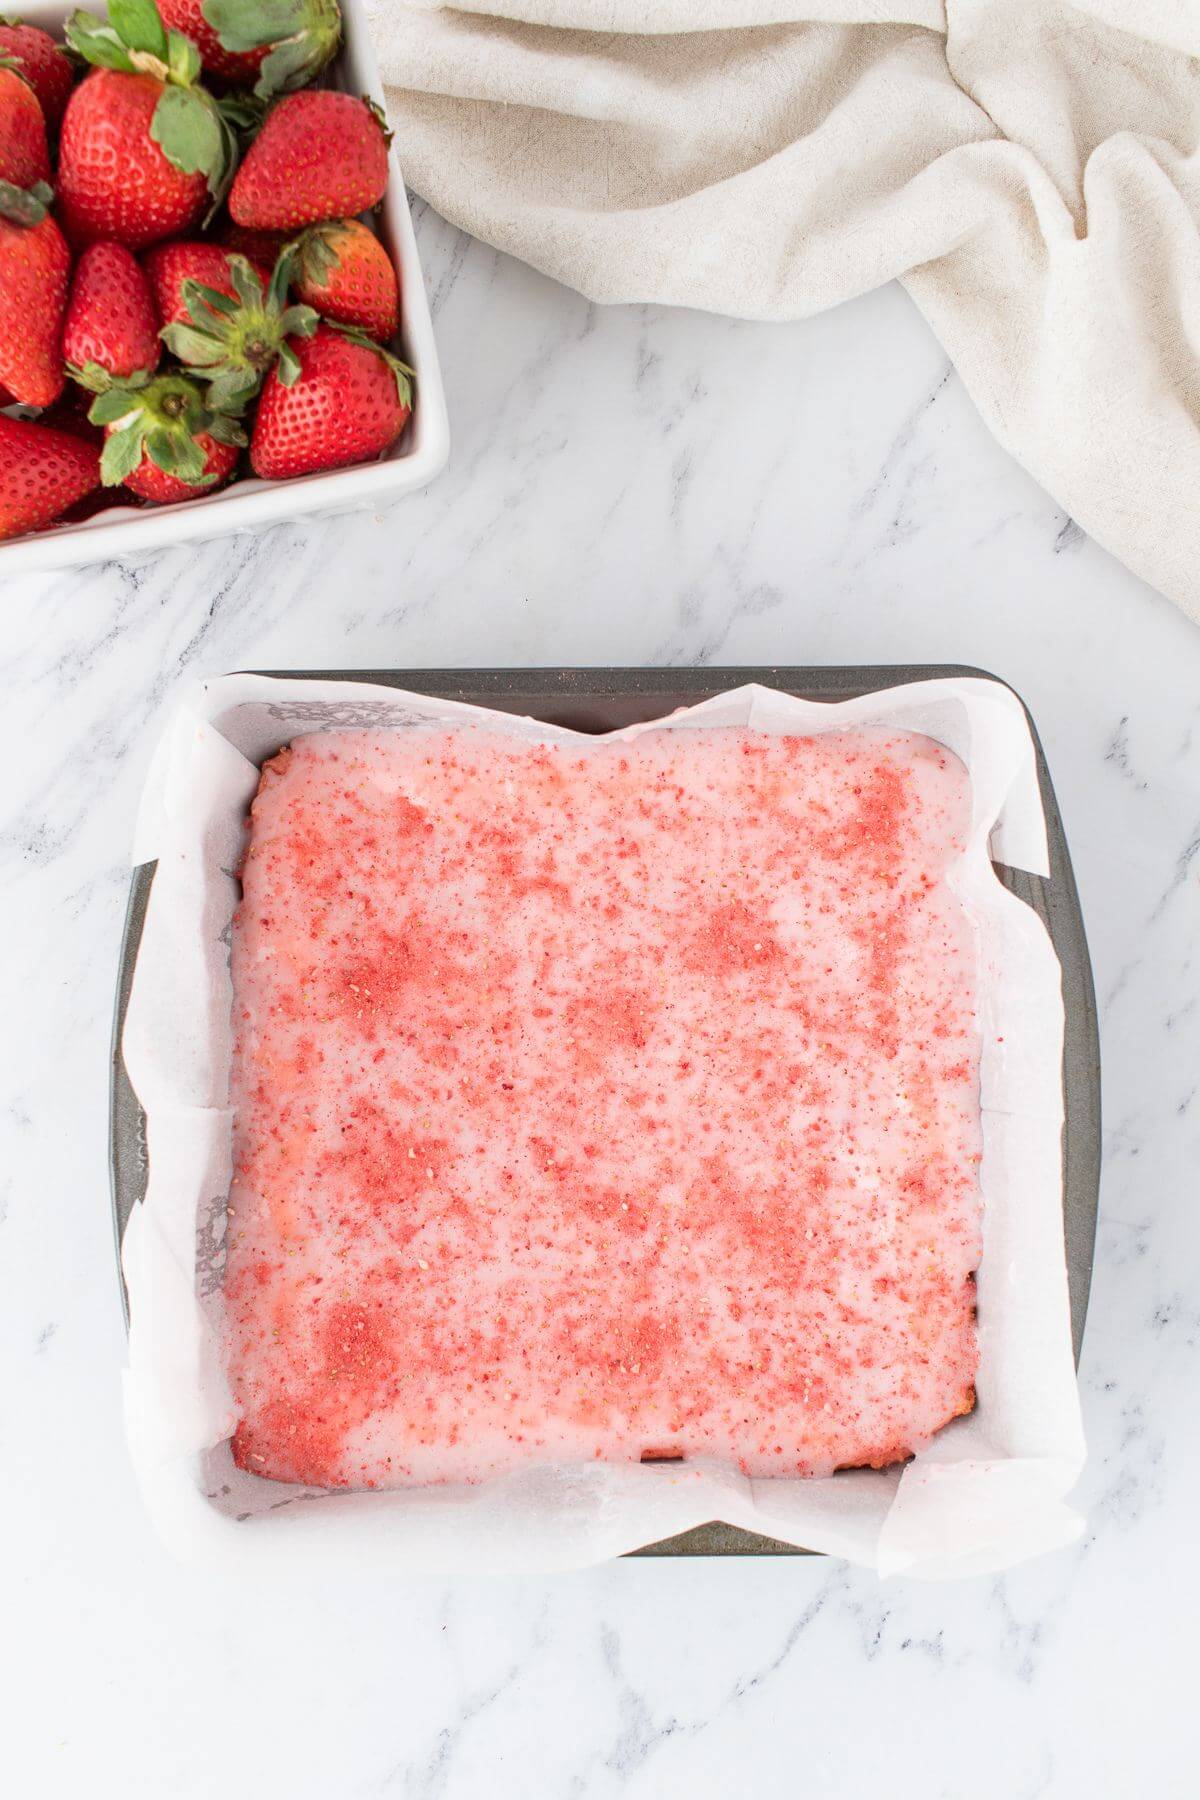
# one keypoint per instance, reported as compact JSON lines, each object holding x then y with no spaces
{"x":595,"y":1104}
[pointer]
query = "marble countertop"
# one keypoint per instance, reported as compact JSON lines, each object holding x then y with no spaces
{"x":626,"y":486}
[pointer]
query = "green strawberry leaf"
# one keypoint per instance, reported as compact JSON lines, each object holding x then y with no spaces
{"x":227,"y":430}
{"x":198,"y":349}
{"x":318,"y":257}
{"x":300,"y":321}
{"x":97,"y":380}
{"x":203,"y":301}
{"x":90,"y":375}
{"x":134,"y":39}
{"x":175,"y":451}
{"x":283,"y":275}
{"x":186,"y":129}
{"x":223,"y":176}
{"x":380,"y":117}
{"x":246,"y":282}
{"x":137,"y":24}
{"x":25,"y":206}
{"x":243,"y":112}
{"x":160,"y":448}
{"x":115,"y":403}
{"x":183,"y":59}
{"x":288,"y":367}
{"x":97,"y":43}
{"x":189,"y":129}
{"x":291,"y":64}
{"x":243,"y":27}
{"x":230,"y":390}
{"x":122,"y":452}
{"x":303,"y":36}
{"x":192,"y":468}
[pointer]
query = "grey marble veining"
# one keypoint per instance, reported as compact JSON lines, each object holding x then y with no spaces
{"x":626,"y":486}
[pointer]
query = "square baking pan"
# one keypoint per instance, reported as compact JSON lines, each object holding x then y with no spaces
{"x":419,"y":454}
{"x":599,"y":700}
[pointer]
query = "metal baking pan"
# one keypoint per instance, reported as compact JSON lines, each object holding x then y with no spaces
{"x":603,"y":700}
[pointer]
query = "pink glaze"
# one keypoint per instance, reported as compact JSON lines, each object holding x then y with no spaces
{"x":595,"y":1104}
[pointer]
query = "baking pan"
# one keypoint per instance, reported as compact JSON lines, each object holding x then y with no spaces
{"x":598,"y":700}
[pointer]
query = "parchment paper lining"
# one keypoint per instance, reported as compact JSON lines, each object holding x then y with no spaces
{"x":987,"y":1492}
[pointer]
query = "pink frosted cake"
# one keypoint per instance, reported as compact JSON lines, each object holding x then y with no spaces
{"x":604,"y":1104}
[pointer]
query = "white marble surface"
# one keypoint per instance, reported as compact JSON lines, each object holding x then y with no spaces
{"x":626,"y":486}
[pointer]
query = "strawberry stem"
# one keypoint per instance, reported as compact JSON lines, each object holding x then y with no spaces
{"x":161,"y":420}
{"x":233,"y":343}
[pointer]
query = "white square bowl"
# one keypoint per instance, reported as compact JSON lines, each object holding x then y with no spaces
{"x":411,"y":463}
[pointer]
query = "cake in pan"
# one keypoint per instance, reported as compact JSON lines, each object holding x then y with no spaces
{"x":601,"y":1102}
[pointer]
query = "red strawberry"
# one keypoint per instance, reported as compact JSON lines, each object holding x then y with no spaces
{"x":170,"y":265}
{"x":320,"y":155}
{"x":349,"y":402}
{"x":345,"y":272}
{"x":239,"y":67}
{"x":42,"y":473}
{"x":69,"y":414}
{"x":24,"y":158}
{"x":43,"y":63}
{"x":144,"y":151}
{"x":34,"y":268}
{"x":275,"y":44}
{"x":113,"y":180}
{"x":163,"y":441}
{"x":111,"y":327}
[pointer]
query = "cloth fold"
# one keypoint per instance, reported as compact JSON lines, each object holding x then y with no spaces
{"x":1028,"y":168}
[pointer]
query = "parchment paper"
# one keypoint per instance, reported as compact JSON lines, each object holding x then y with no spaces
{"x":987,"y":1492}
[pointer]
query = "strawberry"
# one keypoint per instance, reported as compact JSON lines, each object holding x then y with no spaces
{"x":320,"y":155}
{"x":349,"y":402}
{"x":163,"y":441}
{"x":114,"y":181}
{"x":35,"y":265}
{"x":269,"y":45}
{"x":34,"y":54}
{"x":233,"y":342}
{"x":144,"y":151}
{"x":24,"y":157}
{"x":42,"y":473}
{"x":111,"y":327}
{"x":240,"y":68}
{"x":345,"y":272}
{"x":69,"y":414}
{"x":170,"y":265}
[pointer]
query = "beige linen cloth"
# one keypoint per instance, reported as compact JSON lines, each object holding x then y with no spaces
{"x":1029,"y":169}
